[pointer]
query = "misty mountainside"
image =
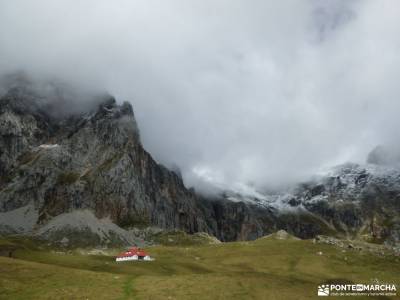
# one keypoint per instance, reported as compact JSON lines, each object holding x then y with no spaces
{"x":351,"y":201}
{"x":80,"y":175}
{"x":53,"y":164}
{"x":356,"y":200}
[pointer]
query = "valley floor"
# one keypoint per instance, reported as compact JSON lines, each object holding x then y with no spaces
{"x":268,"y":268}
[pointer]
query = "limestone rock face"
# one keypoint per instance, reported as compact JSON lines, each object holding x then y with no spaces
{"x":60,"y":163}
{"x":351,"y":201}
{"x":92,"y":160}
{"x":357,"y":201}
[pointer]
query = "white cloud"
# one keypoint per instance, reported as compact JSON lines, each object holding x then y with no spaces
{"x":259,"y":92}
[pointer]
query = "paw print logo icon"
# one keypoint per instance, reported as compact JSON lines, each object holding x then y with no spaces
{"x":323,"y":290}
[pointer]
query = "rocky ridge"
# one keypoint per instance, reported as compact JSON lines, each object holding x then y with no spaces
{"x":70,"y":173}
{"x":88,"y":161}
{"x":351,"y":201}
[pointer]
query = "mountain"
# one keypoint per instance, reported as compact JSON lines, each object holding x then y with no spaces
{"x":357,"y":200}
{"x":56,"y":163}
{"x":73,"y":171}
{"x":351,"y":201}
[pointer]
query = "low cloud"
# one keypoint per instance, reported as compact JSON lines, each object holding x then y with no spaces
{"x":238,"y":93}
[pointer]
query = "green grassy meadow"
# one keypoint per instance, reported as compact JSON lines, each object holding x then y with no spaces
{"x":268,"y":268}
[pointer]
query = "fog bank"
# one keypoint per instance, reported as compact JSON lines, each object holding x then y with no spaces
{"x":235,"y":92}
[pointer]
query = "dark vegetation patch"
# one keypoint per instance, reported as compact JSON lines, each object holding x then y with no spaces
{"x":134,"y":220}
{"x":28,"y":157}
{"x":67,"y":178}
{"x":181,"y":238}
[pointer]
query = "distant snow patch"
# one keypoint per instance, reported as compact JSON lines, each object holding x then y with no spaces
{"x":48,"y":146}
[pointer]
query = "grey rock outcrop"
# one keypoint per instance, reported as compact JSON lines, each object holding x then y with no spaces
{"x":59,"y":163}
{"x":93,"y":160}
{"x":357,"y":201}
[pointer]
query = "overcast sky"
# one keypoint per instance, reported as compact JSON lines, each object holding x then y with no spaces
{"x":235,"y":92}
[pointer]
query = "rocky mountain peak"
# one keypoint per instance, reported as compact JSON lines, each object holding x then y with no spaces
{"x":64,"y":156}
{"x":91,"y":160}
{"x":21,"y":101}
{"x":109,"y":108}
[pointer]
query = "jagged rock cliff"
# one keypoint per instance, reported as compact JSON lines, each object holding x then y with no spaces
{"x":92,"y":160}
{"x":57,"y":162}
{"x":357,"y":201}
{"x":81,"y":173}
{"x":351,"y":201}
